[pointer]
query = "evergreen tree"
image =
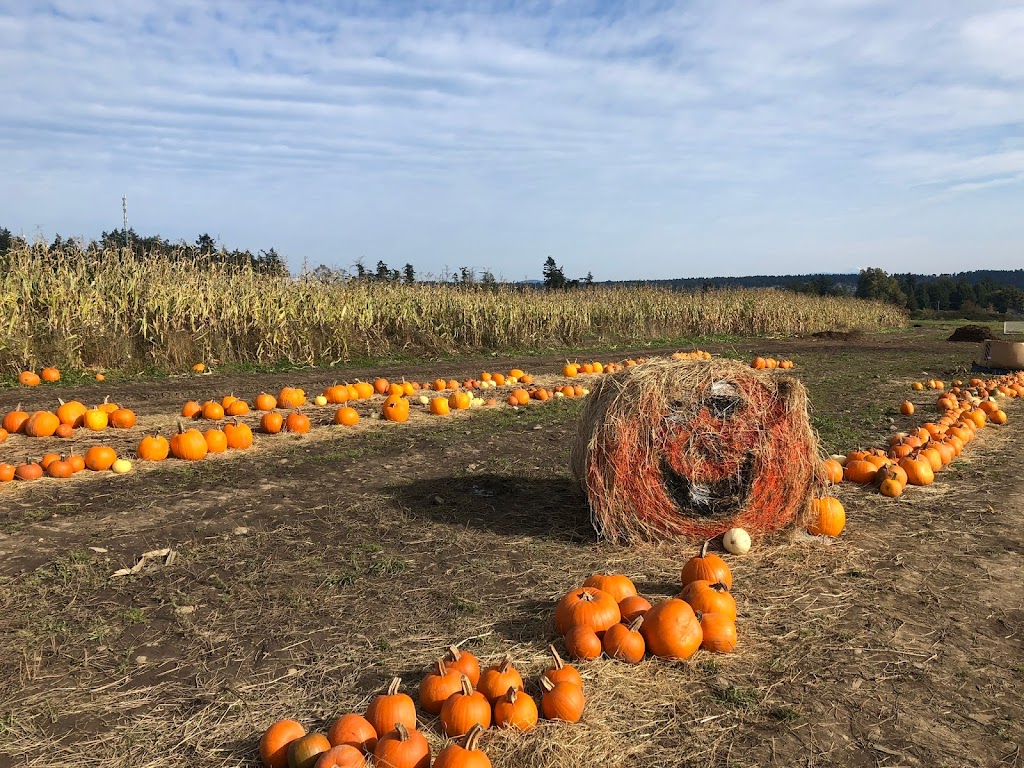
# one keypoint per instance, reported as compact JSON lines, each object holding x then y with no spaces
{"x":554,"y":278}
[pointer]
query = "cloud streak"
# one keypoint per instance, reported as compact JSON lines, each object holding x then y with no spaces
{"x":626,"y":139}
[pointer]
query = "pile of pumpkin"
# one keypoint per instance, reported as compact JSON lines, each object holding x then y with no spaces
{"x":770,"y":363}
{"x":607,"y":615}
{"x":466,"y":701}
{"x":49,"y":374}
{"x":68,"y":417}
{"x":914,"y":457}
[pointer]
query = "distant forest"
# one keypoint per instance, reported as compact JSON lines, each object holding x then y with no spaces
{"x":991,"y":290}
{"x":968,"y":293}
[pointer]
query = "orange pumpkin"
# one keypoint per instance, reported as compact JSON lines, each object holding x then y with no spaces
{"x":100,"y":458}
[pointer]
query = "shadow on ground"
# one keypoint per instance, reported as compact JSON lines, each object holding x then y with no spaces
{"x":548,"y":508}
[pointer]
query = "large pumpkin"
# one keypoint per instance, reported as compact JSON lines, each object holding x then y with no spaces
{"x":695,"y":447}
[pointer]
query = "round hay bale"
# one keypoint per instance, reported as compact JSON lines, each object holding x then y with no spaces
{"x":692,"y":448}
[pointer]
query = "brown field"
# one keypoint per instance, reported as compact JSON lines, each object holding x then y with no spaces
{"x":310,"y":570}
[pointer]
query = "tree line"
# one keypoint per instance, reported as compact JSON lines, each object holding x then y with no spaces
{"x":204,"y":249}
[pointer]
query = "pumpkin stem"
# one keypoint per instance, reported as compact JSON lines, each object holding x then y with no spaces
{"x":454,"y":652}
{"x":704,"y":548}
{"x":181,"y":427}
{"x":403,"y":732}
{"x":472,"y":737}
{"x":503,"y":667}
{"x":699,"y":615}
{"x":719,"y":586}
{"x":635,"y":626}
{"x":467,"y":687}
{"x":546,"y":684}
{"x":588,"y":597}
{"x":511,"y":694}
{"x":558,"y":659}
{"x":393,"y":688}
{"x":442,"y":668}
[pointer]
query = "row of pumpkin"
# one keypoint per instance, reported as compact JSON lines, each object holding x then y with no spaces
{"x":914,"y":457}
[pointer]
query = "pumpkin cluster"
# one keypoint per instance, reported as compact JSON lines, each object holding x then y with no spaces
{"x":466,"y":699}
{"x":99,"y":458}
{"x":67,"y":417}
{"x":915,"y":456}
{"x":33,"y":379}
{"x":770,"y":363}
{"x":608,"y":616}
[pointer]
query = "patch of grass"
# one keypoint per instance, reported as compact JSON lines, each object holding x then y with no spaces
{"x":784,"y":714}
{"x":736,"y":696}
{"x":131,"y":616}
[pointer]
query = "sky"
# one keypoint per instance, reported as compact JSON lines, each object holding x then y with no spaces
{"x":631,"y":140}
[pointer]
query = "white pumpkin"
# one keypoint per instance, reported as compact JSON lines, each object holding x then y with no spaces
{"x":737,"y":541}
{"x":320,"y":400}
{"x":121,"y":466}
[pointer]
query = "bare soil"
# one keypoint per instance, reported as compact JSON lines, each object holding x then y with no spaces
{"x":311,"y":569}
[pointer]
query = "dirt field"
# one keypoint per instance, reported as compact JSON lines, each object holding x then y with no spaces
{"x":311,"y":569}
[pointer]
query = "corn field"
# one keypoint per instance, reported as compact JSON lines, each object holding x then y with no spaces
{"x":111,"y":310}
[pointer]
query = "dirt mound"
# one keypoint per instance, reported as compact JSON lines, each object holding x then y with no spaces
{"x":841,"y":335}
{"x":973,"y":333}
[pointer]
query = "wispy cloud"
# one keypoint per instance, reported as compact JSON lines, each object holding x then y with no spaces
{"x":639,"y":139}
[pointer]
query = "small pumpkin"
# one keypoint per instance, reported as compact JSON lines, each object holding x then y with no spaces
{"x":275,"y":740}
{"x":560,"y":672}
{"x":464,"y":709}
{"x":4,"y":435}
{"x":516,"y":709}
{"x":28,"y":379}
{"x":271,"y":422}
{"x":50,"y":374}
{"x":460,"y":400}
{"x":28,"y":471}
{"x":438,"y":685}
{"x":707,"y":567}
{"x":341,"y":756}
{"x":122,"y":418}
{"x":562,"y":701}
{"x":291,"y":397}
{"x":671,"y":629}
{"x":191,"y":410}
{"x":465,"y":662}
{"x":121,"y":467}
{"x":237,"y":408}
{"x":95,"y":419}
{"x":60,"y":468}
{"x":586,"y":605}
{"x":108,"y":407}
{"x":216,"y":441}
{"x":346,"y":416}
{"x":100,"y":458}
{"x":718,"y":632}
{"x":396,"y":408}
{"x":238,"y":435}
{"x":265,"y":402}
{"x":737,"y":541}
{"x":305,"y":751}
{"x":402,"y":748}
{"x":625,"y":643}
{"x":353,"y":730}
{"x":7,"y":472}
{"x":709,"y":598}
{"x":391,"y":707}
{"x":615,"y":584}
{"x":582,"y":642}
{"x":14,"y":421}
{"x":828,"y":517}
{"x":153,"y":448}
{"x":213,"y":411}
{"x":297,"y":422}
{"x":439,"y":406}
{"x":464,"y":755}
{"x":497,"y":679}
{"x":188,"y":445}
{"x":632,"y":607}
{"x":71,"y":412}
{"x":42,"y":424}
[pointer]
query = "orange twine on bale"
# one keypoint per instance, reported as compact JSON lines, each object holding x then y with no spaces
{"x":692,"y":448}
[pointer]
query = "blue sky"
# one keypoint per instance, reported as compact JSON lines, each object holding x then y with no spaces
{"x":634,"y":140}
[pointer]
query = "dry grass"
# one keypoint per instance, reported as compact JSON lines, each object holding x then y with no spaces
{"x":112,"y":311}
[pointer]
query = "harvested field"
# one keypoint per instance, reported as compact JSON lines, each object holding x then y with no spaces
{"x":311,"y":569}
